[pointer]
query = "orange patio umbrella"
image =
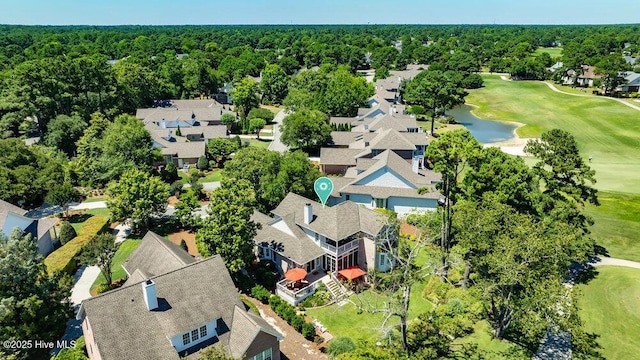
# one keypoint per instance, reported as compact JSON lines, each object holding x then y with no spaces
{"x":295,"y":274}
{"x":351,"y":273}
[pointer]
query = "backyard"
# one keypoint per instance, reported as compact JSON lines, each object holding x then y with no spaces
{"x":117,"y":272}
{"x":617,"y":290}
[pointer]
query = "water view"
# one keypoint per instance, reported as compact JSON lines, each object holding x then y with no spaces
{"x":485,"y":131}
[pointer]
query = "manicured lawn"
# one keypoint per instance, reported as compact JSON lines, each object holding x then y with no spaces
{"x":617,"y":224}
{"x":213,"y":175}
{"x":609,"y":308}
{"x":603,"y":128}
{"x":497,"y":349}
{"x":553,"y":51}
{"x":259,"y":143}
{"x":77,"y":220}
{"x":117,"y":272}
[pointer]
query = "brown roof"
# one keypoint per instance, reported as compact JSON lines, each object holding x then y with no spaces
{"x":189,"y":297}
{"x":156,"y":255}
{"x":335,"y":222}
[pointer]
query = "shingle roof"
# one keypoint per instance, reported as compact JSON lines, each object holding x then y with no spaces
{"x":249,"y":326}
{"x":155,"y":255}
{"x":335,"y":222}
{"x":339,"y":156}
{"x":344,"y":138}
{"x":392,"y":139}
{"x":189,"y":297}
{"x":298,"y":247}
{"x":5,"y":208}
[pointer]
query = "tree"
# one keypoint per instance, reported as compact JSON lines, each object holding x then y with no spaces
{"x":306,"y":129}
{"x":273,"y":84}
{"x":185,"y":207}
{"x":228,"y":119}
{"x":99,"y":251}
{"x":256,"y":125}
{"x":63,"y":132}
{"x":568,"y":180}
{"x":449,"y":155}
{"x":229,"y":230}
{"x":261,"y":113}
{"x":245,"y":98}
{"x":67,"y":233}
{"x":340,"y":345}
{"x":138,"y":196}
{"x":381,"y":73}
{"x":433,"y":90}
{"x":33,"y":305}
{"x":203,"y":163}
{"x":220,"y":149}
{"x":62,"y":194}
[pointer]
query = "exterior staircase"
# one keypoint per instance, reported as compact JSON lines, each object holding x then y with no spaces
{"x":336,"y":290}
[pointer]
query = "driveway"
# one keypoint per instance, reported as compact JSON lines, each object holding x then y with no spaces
{"x":276,"y":144}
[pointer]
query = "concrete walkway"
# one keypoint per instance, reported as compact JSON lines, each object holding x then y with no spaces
{"x":206,"y":186}
{"x":276,"y":144}
{"x":88,"y":205}
{"x":84,"y":278}
{"x":606,"y":261}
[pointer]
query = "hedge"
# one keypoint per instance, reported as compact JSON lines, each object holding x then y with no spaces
{"x":64,"y":258}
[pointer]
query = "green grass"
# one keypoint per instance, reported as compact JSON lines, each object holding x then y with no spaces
{"x":497,"y":349}
{"x":555,"y":52}
{"x":117,"y":272}
{"x":609,"y":308}
{"x":605,"y":129}
{"x":96,"y":199}
{"x":211,"y":176}
{"x":617,"y":224}
{"x":78,"y":220}
{"x":259,"y":143}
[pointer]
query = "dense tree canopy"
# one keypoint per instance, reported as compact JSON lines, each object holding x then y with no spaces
{"x":306,"y":129}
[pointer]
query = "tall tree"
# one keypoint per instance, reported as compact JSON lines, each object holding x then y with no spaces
{"x":245,"y":98}
{"x":229,"y":230}
{"x":220,"y":149}
{"x":62,"y":194}
{"x":273,"y":84}
{"x":256,"y":125}
{"x":138,"y":196}
{"x":450,"y":154}
{"x":306,"y":129}
{"x":63,"y":132}
{"x":99,"y":251}
{"x":435,"y":91}
{"x":33,"y":305}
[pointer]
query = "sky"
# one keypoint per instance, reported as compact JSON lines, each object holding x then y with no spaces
{"x":225,"y":12}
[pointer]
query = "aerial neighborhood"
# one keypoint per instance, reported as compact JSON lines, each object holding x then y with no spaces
{"x":274,"y":192}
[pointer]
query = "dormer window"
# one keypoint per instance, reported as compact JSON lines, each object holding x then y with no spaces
{"x":195,"y":335}
{"x":186,"y":339}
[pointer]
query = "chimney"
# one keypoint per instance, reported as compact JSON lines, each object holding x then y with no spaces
{"x":415,"y":164}
{"x":150,"y":294}
{"x":308,"y":213}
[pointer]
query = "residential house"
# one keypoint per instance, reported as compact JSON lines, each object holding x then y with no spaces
{"x":387,"y":181}
{"x":587,"y":76}
{"x":175,"y":315}
{"x":305,"y":234}
{"x":632,"y":82}
{"x":196,"y":122}
{"x":555,"y":67}
{"x":42,"y":230}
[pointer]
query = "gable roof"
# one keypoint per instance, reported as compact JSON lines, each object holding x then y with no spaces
{"x":189,"y":297}
{"x":297,"y":247}
{"x":37,"y":228}
{"x":6,"y":208}
{"x":248,"y":327}
{"x":155,"y":256}
{"x":335,"y":222}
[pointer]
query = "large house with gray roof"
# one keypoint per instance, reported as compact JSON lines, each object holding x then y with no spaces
{"x":387,"y":181}
{"x":322,"y":240}
{"x":175,"y":314}
{"x":42,"y":230}
{"x":182,"y":130}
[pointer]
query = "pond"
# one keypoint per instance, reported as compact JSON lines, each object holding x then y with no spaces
{"x":485,"y":131}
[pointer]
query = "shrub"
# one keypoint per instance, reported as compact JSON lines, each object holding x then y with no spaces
{"x":64,"y":258}
{"x":243,"y":282}
{"x":175,"y":188}
{"x":340,"y":345}
{"x":265,"y":114}
{"x":261,"y":294}
{"x":274,"y":301}
{"x":297,"y":321}
{"x":308,"y":331}
{"x":203,"y":163}
{"x":67,"y":233}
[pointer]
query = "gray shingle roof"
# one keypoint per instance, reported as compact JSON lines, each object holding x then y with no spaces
{"x":339,"y":156}
{"x":5,"y":208}
{"x":156,"y":255}
{"x":248,"y":326}
{"x":123,"y":328}
{"x":298,"y":248}
{"x":335,"y":222}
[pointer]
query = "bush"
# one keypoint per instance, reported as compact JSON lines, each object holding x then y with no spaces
{"x":258,"y":113}
{"x":261,"y":294}
{"x":340,"y":345}
{"x":170,"y":173}
{"x":297,"y":321}
{"x":243,"y":282}
{"x":203,"y":163}
{"x":175,"y":188}
{"x":274,"y":301}
{"x":308,"y":331}
{"x":64,"y":258}
{"x":67,"y":233}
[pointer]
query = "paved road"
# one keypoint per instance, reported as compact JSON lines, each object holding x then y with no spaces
{"x":606,"y":261}
{"x":276,"y":144}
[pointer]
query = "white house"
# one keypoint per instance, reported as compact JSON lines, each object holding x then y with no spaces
{"x":43,"y":230}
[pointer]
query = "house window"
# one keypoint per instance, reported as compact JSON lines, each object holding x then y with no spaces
{"x":185,"y":339}
{"x":347,"y":197}
{"x":265,"y":355}
{"x":194,"y":335}
{"x":380,"y":203}
{"x":203,"y":331}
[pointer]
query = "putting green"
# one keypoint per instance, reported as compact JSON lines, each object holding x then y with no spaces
{"x":604,"y":129}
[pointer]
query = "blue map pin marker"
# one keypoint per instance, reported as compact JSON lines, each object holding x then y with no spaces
{"x":323,"y":187}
